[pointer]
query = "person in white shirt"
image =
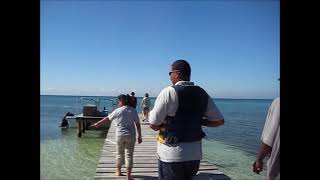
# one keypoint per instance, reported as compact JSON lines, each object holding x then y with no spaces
{"x":145,"y":106}
{"x":270,"y":143}
{"x":126,"y":121}
{"x":178,"y":114}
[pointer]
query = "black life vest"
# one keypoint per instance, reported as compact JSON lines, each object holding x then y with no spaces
{"x":185,"y":126}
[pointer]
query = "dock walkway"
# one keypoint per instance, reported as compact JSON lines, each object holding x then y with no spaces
{"x":145,"y":159}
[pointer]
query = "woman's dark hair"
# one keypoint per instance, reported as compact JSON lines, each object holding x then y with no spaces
{"x":146,"y":95}
{"x":124,"y":98}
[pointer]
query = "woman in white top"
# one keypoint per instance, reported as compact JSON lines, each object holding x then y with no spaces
{"x":126,"y":118}
{"x":145,"y":107}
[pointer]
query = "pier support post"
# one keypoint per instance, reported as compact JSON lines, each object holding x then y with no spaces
{"x":79,"y":129}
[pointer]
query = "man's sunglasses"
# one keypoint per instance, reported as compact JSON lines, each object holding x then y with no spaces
{"x":172,"y":72}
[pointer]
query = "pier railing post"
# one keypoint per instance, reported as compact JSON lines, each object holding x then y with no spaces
{"x":79,"y":128}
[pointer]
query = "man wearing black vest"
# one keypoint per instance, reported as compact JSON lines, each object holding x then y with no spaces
{"x":179,"y":113}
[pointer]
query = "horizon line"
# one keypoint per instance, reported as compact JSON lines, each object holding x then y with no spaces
{"x":153,"y":96}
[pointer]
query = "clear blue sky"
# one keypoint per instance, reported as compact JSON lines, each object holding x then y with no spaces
{"x":113,"y":47}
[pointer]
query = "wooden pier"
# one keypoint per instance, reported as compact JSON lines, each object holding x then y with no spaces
{"x":145,"y":159}
{"x":83,"y":120}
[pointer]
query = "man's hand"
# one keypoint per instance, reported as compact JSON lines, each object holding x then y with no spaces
{"x":95,"y":125}
{"x":257,"y":166}
{"x":154,"y":127}
{"x":139,"y":140}
{"x":98,"y":123}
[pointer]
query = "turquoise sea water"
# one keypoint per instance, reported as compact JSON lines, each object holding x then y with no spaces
{"x":232,"y":147}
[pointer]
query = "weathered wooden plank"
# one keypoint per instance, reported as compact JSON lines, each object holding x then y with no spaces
{"x":144,"y":177}
{"x":146,"y":149}
{"x":202,"y":165}
{"x":212,"y":170}
{"x":135,"y":169}
{"x":140,"y":156}
{"x":143,"y":146}
{"x":209,"y":171}
{"x":111,"y":174}
{"x":146,"y":145}
{"x":135,"y":165}
{"x":109,"y":159}
{"x":136,"y":177}
{"x":138,"y":149}
{"x":112,"y":167}
{"x":136,"y":160}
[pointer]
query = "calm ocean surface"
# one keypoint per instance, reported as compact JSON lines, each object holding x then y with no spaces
{"x":231,"y":147}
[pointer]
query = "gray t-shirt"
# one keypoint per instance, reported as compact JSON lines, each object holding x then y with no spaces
{"x":125,"y":117}
{"x":166,"y":104}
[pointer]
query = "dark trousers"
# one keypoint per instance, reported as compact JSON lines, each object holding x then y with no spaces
{"x":178,"y":170}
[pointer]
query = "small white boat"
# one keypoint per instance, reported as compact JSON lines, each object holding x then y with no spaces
{"x":90,"y":111}
{"x":72,"y":121}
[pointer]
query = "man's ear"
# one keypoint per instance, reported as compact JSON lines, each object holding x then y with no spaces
{"x":179,"y":75}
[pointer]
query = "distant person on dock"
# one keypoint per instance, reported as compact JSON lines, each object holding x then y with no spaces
{"x":270,"y":143}
{"x":145,"y":107}
{"x":133,"y":100}
{"x":126,"y":118}
{"x":178,"y":114}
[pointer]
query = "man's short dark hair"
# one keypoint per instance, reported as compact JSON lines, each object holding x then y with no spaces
{"x":183,"y":67}
{"x":132,"y":93}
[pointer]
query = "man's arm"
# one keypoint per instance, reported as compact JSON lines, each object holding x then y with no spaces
{"x":141,"y":104}
{"x":97,"y":124}
{"x":268,"y":134}
{"x":264,"y":151}
{"x":155,"y":127}
{"x":139,"y":132}
{"x":214,"y":123}
{"x":213,"y":115}
{"x":161,"y":106}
